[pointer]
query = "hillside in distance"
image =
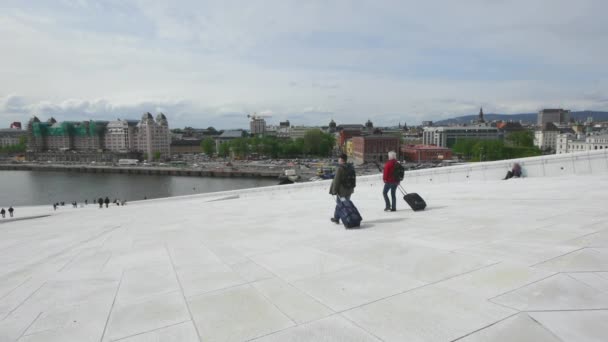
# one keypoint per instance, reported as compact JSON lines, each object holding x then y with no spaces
{"x":524,"y":117}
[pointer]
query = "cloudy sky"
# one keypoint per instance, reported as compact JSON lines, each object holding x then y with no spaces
{"x":209,"y":63}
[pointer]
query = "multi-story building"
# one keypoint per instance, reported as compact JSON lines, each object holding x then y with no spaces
{"x":448,"y":136}
{"x":120,"y":135}
{"x":568,"y":142}
{"x":153,"y":137}
{"x":296,"y":132}
{"x":374,"y":148}
{"x":67,"y":135}
{"x":546,"y":137}
{"x":556,"y":116}
{"x":146,"y":136}
{"x":348,"y":131}
{"x":11,"y":136}
{"x":425,"y":153}
{"x":257,"y":125}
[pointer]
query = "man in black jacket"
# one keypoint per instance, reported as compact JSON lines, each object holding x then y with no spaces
{"x":339,"y":187}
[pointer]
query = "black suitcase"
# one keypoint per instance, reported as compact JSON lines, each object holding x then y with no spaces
{"x":350,"y":216}
{"x":413,"y":199}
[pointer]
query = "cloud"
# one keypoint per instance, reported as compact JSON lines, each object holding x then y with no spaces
{"x":211,"y":63}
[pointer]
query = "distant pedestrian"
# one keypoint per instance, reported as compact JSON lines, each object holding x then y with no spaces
{"x":3,"y":212}
{"x":54,"y":206}
{"x":86,"y":202}
{"x":100,"y":202}
{"x":390,"y":181}
{"x":10,"y":211}
{"x":107,"y":201}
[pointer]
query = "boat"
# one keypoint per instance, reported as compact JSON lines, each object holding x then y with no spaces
{"x":290,"y":176}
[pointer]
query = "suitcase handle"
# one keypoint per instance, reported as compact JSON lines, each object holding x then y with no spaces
{"x":402,"y":190}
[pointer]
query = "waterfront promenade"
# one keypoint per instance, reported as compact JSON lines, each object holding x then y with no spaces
{"x":518,"y":260}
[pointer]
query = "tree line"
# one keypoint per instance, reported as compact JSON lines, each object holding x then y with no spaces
{"x":314,"y":143}
{"x":516,"y":145}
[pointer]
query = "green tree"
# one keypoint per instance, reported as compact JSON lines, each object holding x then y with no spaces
{"x":208,"y":146}
{"x":521,"y":138}
{"x":224,"y":149}
{"x":240,"y":147}
{"x":318,"y":143}
{"x":157,"y":155}
{"x":464,"y":147}
{"x":485,"y":150}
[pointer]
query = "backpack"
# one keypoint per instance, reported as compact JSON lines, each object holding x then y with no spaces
{"x":350,"y":177}
{"x":398,"y":172}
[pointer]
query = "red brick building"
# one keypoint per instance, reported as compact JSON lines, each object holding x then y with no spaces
{"x":425,"y":153}
{"x":372,"y":148}
{"x":346,"y":134}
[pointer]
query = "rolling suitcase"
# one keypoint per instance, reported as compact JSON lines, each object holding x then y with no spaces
{"x":348,"y":213}
{"x":413,"y":199}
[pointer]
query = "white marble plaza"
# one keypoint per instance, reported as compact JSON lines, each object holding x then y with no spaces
{"x":518,"y":260}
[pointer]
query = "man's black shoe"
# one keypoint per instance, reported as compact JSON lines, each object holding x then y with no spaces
{"x":387,"y":209}
{"x":393,"y":209}
{"x":335,"y":221}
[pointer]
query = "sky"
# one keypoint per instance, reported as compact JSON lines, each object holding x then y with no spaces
{"x":210,"y":63}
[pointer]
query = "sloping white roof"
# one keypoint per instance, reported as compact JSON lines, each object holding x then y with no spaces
{"x":523,"y":259}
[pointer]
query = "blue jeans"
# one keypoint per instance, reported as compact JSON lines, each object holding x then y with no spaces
{"x":392,"y":187}
{"x":336,"y":214}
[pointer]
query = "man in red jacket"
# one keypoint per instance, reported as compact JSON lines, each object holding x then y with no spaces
{"x":390,"y":183}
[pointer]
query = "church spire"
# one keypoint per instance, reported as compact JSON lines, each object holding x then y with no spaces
{"x":481,"y":120}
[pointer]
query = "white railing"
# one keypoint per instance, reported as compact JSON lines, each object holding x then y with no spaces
{"x":588,"y":162}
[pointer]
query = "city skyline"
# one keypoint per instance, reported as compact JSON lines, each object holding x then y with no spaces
{"x":208,"y":64}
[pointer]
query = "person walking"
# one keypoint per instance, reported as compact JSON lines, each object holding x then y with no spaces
{"x":341,"y":186}
{"x":3,"y":212}
{"x":390,"y":182}
{"x":107,"y":201}
{"x":10,"y":211}
{"x":100,"y":202}
{"x":55,"y":206}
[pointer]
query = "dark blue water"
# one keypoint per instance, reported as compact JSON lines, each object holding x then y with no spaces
{"x":21,"y":188}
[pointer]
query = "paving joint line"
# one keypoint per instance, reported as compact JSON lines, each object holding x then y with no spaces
{"x":521,"y":287}
{"x":556,"y":257}
{"x":112,"y":307}
{"x":567,"y":310}
{"x":258,"y":291}
{"x":198,"y":334}
{"x":152,"y":330}
{"x":29,"y":326}
{"x":15,"y":288}
{"x":416,"y":288}
{"x":360,"y":327}
{"x":25,"y":300}
{"x":485,"y":327}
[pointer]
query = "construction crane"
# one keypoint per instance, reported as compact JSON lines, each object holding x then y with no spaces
{"x":255,"y":116}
